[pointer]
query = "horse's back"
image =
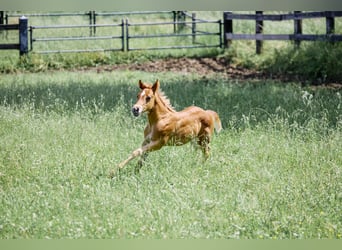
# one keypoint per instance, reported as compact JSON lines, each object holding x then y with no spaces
{"x":208,"y":118}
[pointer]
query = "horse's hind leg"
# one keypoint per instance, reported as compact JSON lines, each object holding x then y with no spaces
{"x":206,"y":150}
{"x":203,"y":142}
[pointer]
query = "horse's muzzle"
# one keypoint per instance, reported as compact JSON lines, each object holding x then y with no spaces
{"x":136,"y":111}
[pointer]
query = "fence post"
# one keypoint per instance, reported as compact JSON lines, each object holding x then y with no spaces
{"x":220,"y":33}
{"x":127,"y":36}
{"x":23,"y":37}
{"x":330,"y":23}
{"x":94,"y":21}
{"x":2,"y":15}
{"x":259,"y":23}
{"x":227,"y":28}
{"x":193,"y":27}
{"x":174,"y":21}
{"x":298,"y":27}
{"x":122,"y":35}
{"x":2,"y":21}
{"x":90,"y":23}
{"x":31,"y":38}
{"x":180,"y":18}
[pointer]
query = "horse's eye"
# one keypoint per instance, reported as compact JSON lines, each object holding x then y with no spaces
{"x":148,"y":98}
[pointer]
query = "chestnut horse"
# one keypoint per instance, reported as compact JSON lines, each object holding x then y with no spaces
{"x":167,"y":127}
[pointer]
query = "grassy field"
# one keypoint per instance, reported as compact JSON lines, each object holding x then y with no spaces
{"x":274,"y":172}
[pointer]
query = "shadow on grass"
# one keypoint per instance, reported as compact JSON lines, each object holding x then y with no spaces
{"x":238,"y":104}
{"x":314,"y":62}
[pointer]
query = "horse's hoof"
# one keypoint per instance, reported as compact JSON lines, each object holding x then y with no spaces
{"x":112,"y":174}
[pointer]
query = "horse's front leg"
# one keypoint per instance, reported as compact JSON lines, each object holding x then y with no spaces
{"x":134,"y":154}
{"x":140,"y":162}
{"x":144,"y":155}
{"x":152,"y":146}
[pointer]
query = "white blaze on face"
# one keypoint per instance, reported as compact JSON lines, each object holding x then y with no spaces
{"x":138,"y":109}
{"x":143,"y":93}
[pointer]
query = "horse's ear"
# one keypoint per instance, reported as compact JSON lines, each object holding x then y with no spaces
{"x":141,"y":85}
{"x":155,"y":86}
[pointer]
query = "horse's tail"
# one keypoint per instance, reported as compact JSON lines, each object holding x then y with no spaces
{"x":217,"y":121}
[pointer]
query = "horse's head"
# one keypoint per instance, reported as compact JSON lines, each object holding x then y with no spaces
{"x":146,"y":98}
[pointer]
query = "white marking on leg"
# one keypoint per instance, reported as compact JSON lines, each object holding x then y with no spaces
{"x":137,"y":152}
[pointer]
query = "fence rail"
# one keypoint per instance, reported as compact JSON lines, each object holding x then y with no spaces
{"x":127,"y":37}
{"x":283,"y":17}
{"x":92,"y":16}
{"x":34,"y":39}
{"x":193,"y":35}
{"x":259,"y":17}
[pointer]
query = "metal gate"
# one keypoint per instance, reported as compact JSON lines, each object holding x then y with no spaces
{"x":126,"y":36}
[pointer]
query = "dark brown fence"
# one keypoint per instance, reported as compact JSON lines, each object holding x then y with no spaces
{"x":128,"y":40}
{"x":259,"y":17}
{"x":22,"y":28}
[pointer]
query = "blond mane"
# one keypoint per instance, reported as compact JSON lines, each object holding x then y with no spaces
{"x":165,"y":100}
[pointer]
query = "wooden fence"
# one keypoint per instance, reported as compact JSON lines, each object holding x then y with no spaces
{"x":180,"y":29}
{"x":259,"y":17}
{"x":22,"y":28}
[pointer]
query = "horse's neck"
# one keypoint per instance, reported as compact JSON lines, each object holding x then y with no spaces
{"x":159,"y":110}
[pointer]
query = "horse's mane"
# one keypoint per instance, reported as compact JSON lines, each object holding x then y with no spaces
{"x":165,"y":100}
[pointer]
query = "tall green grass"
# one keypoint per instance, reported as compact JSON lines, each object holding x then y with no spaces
{"x":274,"y":172}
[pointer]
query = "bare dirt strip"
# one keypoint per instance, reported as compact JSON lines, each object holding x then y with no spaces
{"x":205,"y":67}
{"x":200,"y":66}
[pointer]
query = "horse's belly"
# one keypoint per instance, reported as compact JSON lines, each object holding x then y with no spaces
{"x":183,"y":134}
{"x":179,"y":140}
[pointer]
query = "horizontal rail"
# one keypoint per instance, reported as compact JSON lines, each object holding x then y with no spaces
{"x":200,"y":32}
{"x":281,"y":17}
{"x":168,"y":23}
{"x":49,"y":39}
{"x":75,"y":26}
{"x":87,"y":13}
{"x":177,"y":47}
{"x":48,"y":14}
{"x":302,"y":37}
{"x":75,"y":51}
{"x":9,"y":26}
{"x":9,"y":46}
{"x":170,"y":35}
{"x":131,"y":13}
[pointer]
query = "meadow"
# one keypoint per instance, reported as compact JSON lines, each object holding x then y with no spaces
{"x":274,"y":172}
